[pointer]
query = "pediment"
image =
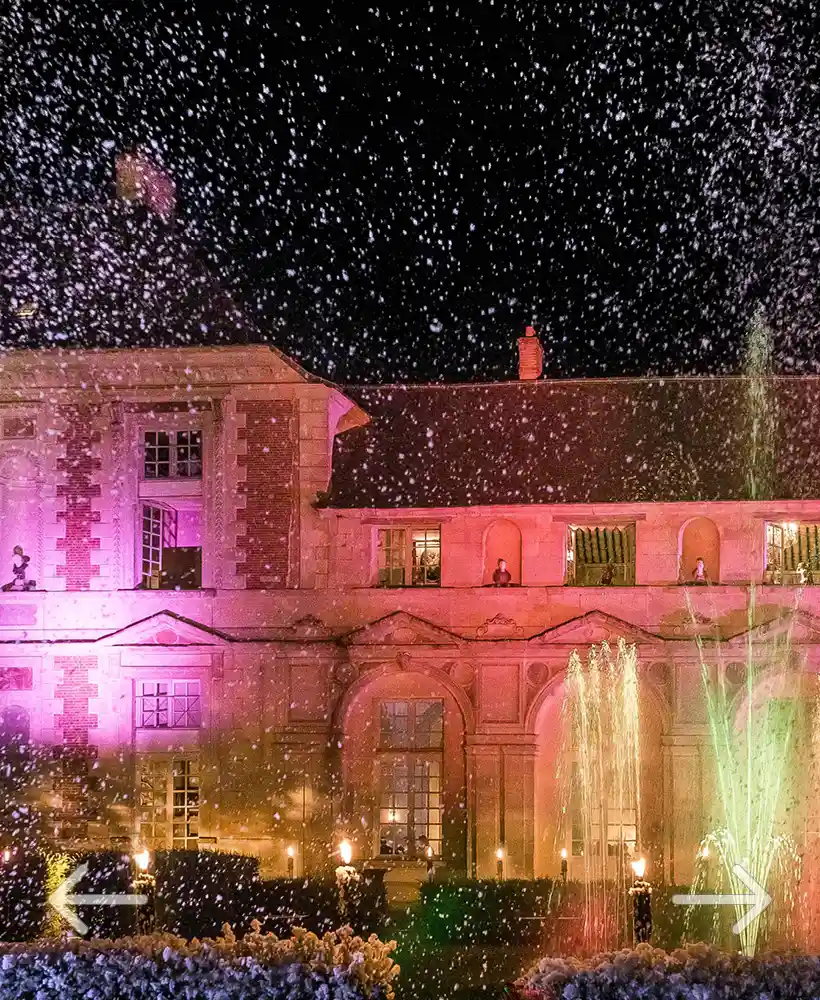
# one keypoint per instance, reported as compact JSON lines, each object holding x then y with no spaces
{"x":164,"y":629}
{"x":401,"y":629}
{"x":799,"y":627}
{"x":591,"y":628}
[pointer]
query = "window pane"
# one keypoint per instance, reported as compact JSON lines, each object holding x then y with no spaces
{"x":189,"y":454}
{"x":429,"y":724}
{"x":392,"y":555}
{"x":426,"y":557}
{"x":395,"y":724}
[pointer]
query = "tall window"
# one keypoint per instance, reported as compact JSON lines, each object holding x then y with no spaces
{"x":169,"y":705}
{"x":600,"y":555}
{"x":169,"y":560}
{"x":409,"y":768}
{"x":409,"y":557}
{"x":172,"y":454}
{"x":618,"y":818}
{"x":169,"y":803}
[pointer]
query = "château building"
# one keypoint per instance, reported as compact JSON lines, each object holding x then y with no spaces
{"x":259,"y":609}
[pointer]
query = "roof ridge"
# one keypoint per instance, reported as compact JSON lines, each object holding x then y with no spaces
{"x":597,"y":380}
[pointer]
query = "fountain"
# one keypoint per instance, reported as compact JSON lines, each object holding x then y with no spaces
{"x":753,"y":722}
{"x":601,"y":763}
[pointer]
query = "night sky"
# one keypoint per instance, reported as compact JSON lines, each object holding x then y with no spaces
{"x":394,"y":192}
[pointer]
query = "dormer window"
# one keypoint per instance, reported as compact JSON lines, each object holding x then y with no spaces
{"x":172,"y":454}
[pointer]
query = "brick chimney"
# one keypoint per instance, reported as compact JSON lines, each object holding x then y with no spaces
{"x":530,"y":356}
{"x":140,"y":179}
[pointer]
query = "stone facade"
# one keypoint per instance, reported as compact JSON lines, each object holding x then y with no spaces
{"x":286,"y":699}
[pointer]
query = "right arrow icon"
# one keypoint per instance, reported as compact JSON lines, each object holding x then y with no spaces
{"x":757,"y":899}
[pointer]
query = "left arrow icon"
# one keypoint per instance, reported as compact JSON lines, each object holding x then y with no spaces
{"x":62,"y":899}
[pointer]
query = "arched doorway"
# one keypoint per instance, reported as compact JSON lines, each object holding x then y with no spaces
{"x":700,"y":539}
{"x":553,"y":791}
{"x":502,"y":540}
{"x":403,"y":769}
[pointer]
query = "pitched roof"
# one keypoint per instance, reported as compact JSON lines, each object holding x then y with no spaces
{"x":112,"y":275}
{"x":578,"y":441}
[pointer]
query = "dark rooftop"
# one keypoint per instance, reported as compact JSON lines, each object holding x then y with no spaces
{"x":586,"y":441}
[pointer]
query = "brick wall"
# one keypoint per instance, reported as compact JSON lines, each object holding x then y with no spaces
{"x":75,"y":753}
{"x":78,"y":489}
{"x":270,"y":491}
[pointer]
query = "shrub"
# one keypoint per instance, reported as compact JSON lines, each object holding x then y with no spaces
{"x":199,"y":891}
{"x":484,"y":910}
{"x":335,"y":967}
{"x":698,"y":971}
{"x":22,"y":896}
{"x":314,"y":903}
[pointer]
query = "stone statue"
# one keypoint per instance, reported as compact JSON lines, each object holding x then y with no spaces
{"x":502,"y":577}
{"x":608,"y":574}
{"x":19,"y":568}
{"x":699,"y":576}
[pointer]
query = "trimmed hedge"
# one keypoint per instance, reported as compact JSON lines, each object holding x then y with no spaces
{"x":22,"y":896}
{"x":199,"y":891}
{"x":474,"y":911}
{"x":314,"y":903}
{"x":257,"y":967}
{"x":696,"y":972}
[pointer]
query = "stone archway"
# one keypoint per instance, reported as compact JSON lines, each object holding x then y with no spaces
{"x":404,"y":727}
{"x":545,"y":719}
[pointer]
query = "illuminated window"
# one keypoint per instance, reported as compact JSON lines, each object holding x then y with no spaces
{"x":410,"y":781}
{"x":171,"y":546}
{"x":793,"y":551}
{"x":409,"y":557}
{"x":169,"y":803}
{"x":600,"y":555}
{"x":172,"y":455}
{"x":27,"y":309}
{"x":410,"y":806}
{"x":169,"y":705}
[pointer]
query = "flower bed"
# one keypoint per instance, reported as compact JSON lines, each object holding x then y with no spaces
{"x":337,"y":966}
{"x":697,"y":972}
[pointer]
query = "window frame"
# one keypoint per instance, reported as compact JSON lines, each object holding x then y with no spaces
{"x":171,"y":698}
{"x":168,"y":531}
{"x":170,"y":769}
{"x":411,"y":755}
{"x":406,"y":565}
{"x":174,"y":446}
{"x":630,"y":568}
{"x":614,"y":848}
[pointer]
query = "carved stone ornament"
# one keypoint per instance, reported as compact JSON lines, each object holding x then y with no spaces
{"x":499,"y":627}
{"x":403,"y":636}
{"x":403,"y":660}
{"x":462,"y":673}
{"x":345,"y":673}
{"x":537,"y":674}
{"x":309,"y":627}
